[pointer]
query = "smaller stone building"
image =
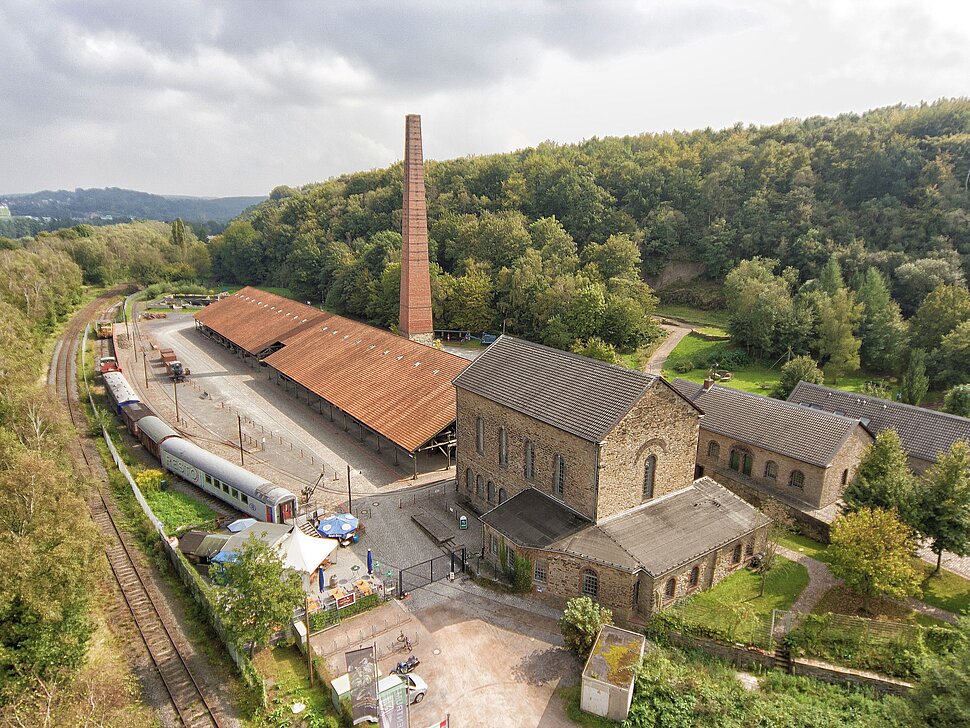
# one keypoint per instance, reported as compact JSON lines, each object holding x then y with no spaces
{"x":634,"y":562}
{"x":763,"y":447}
{"x":925,"y":433}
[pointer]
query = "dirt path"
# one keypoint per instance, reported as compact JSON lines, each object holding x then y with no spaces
{"x":675,"y":332}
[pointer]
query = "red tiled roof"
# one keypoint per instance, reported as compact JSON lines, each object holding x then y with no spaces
{"x":253,"y":319}
{"x":396,"y":387}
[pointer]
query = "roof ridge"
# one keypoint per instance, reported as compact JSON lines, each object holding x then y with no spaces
{"x":780,"y":402}
{"x":579,"y":357}
{"x":879,"y":400}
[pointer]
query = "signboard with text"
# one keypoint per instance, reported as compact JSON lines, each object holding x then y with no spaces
{"x":394,"y":707}
{"x":362,"y":671}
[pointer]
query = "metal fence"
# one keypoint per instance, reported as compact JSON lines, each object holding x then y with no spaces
{"x":424,"y":573}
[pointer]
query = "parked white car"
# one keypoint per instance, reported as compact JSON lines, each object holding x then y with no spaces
{"x":417,"y":688}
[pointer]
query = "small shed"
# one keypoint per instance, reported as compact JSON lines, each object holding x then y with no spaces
{"x":610,"y":672}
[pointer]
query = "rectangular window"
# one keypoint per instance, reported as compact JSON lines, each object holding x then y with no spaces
{"x":510,"y":558}
{"x":540,"y":570}
{"x":208,"y":479}
{"x":559,"y":475}
{"x":480,"y":435}
{"x":235,"y":493}
{"x":494,"y":543}
{"x":245,"y":498}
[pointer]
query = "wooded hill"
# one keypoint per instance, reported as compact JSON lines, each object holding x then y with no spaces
{"x":518,"y":237}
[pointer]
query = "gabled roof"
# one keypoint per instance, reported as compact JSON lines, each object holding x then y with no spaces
{"x":398,"y":388}
{"x":656,"y":537}
{"x":925,"y":433}
{"x":578,"y":395}
{"x":810,"y":436}
{"x":254,"y":320}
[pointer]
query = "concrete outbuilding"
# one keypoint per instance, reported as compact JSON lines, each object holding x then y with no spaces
{"x":610,"y":673}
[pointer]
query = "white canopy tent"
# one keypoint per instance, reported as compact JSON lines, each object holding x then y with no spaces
{"x":305,"y":554}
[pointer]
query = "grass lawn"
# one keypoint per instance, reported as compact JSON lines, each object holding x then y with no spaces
{"x":284,"y":669}
{"x":757,"y":377}
{"x":804,"y":545}
{"x":718,"y":607}
{"x":945,"y":590}
{"x":840,"y":600}
{"x":178,"y":511}
{"x":284,"y":292}
{"x":691,"y":315}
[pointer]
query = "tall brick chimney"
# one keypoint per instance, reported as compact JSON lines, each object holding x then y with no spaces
{"x":415,"y":274}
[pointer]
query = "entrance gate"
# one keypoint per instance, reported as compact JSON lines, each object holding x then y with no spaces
{"x":436,"y":569}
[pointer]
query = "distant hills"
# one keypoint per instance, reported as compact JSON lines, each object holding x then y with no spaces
{"x":112,"y":204}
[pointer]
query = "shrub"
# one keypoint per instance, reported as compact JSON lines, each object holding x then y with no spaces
{"x":957,"y":401}
{"x":581,"y":622}
{"x":682,"y":366}
{"x":799,"y":369}
{"x":149,"y":481}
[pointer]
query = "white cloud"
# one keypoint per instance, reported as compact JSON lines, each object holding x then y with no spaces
{"x":237,"y":97}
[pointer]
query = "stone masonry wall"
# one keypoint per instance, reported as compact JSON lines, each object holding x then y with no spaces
{"x":810,"y":494}
{"x":844,"y":465}
{"x":661,"y":424}
{"x":548,"y":441}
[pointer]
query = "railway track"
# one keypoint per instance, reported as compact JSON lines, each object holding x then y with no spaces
{"x":187,"y":696}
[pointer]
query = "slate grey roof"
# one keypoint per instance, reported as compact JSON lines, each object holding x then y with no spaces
{"x":582,"y":396}
{"x":657,"y":537}
{"x":532,"y":518}
{"x":809,"y":435}
{"x":924,"y":432}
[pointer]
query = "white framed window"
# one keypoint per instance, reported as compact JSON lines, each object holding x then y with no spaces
{"x":796,"y":479}
{"x":541,"y":570}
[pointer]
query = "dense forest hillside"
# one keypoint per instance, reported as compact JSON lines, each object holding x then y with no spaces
{"x":531,"y":239}
{"x":118,"y":205}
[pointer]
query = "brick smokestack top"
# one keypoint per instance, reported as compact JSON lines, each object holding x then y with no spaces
{"x":415,"y":274}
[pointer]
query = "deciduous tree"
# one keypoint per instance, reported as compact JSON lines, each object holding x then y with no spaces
{"x":944,"y":503}
{"x":874,"y":553}
{"x":883,"y":479}
{"x":957,"y":401}
{"x":799,"y":369}
{"x":580,"y":623}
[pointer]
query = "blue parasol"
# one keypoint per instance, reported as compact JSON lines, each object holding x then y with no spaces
{"x":341,"y":525}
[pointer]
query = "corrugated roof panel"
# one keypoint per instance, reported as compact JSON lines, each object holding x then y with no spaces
{"x":324,"y":352}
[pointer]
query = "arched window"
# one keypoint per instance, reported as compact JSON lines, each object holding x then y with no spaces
{"x":480,"y":486}
{"x":771,"y":470}
{"x":480,"y":435}
{"x":713,"y":450}
{"x":845,"y":476}
{"x":736,"y":556}
{"x":591,"y":584}
{"x":695,"y":577}
{"x":468,"y":479}
{"x":559,"y":475}
{"x":749,"y":549}
{"x":796,"y":479}
{"x":491,"y":492}
{"x":503,"y":447}
{"x":740,"y":461}
{"x":636,"y":592}
{"x":502,"y":496}
{"x":649,"y":473}
{"x":530,"y":460}
{"x":670,"y":588}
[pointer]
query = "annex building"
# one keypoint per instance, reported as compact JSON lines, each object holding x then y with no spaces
{"x":925,"y":433}
{"x":762,"y":448}
{"x":587,"y":470}
{"x":394,"y":392}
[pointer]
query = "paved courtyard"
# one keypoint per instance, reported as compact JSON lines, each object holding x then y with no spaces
{"x":284,"y":440}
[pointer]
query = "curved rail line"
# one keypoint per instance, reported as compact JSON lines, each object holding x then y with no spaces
{"x":186,"y":694}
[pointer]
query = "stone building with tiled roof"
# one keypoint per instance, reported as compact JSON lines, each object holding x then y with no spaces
{"x":925,"y":433}
{"x":760,"y":447}
{"x":586,"y":469}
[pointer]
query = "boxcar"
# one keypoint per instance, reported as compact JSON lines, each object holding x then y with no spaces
{"x":152,"y":432}
{"x":132,"y":413}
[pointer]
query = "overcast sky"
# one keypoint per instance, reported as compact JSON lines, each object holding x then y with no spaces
{"x":229,"y":97}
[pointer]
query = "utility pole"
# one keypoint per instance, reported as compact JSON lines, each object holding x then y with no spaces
{"x":242,"y":458}
{"x":350,"y":502}
{"x":145,"y":360}
{"x":306,"y":624}
{"x":175,"y":388}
